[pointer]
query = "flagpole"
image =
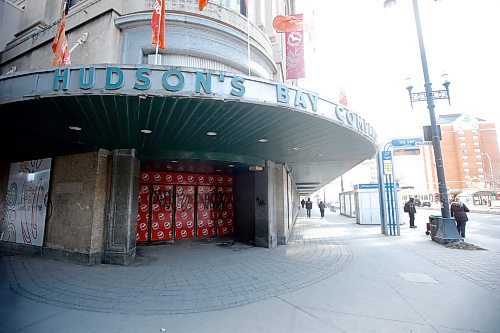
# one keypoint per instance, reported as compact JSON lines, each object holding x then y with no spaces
{"x":248,"y":35}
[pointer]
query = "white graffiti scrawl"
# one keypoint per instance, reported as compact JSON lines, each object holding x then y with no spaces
{"x":23,"y":214}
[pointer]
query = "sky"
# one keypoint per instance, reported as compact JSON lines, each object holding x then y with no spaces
{"x":369,"y":51}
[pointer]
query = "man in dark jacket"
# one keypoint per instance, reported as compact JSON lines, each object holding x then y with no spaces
{"x":309,"y":206}
{"x":410,"y":209}
{"x":459,"y":211}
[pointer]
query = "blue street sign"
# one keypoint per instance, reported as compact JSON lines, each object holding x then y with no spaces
{"x":386,"y":155}
{"x":365,"y":186}
{"x":406,"y":142}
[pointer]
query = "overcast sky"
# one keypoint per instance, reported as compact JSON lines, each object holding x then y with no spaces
{"x":369,"y":51}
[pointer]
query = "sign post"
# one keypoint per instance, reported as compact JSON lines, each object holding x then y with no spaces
{"x":389,"y":214}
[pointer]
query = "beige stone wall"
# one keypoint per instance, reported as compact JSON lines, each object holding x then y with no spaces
{"x":78,"y":203}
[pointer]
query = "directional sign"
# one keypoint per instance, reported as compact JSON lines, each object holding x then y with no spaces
{"x":411,"y":142}
{"x":425,"y":143}
{"x":407,"y":151}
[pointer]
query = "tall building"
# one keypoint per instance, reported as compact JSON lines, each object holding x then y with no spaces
{"x":206,"y":137}
{"x":470,"y":155}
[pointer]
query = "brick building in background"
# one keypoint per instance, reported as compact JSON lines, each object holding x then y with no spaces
{"x":471,"y":158}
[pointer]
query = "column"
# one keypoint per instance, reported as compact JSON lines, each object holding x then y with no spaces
{"x":121,"y":238}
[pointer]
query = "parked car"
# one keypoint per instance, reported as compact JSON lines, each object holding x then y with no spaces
{"x":417,"y":202}
{"x":425,"y":204}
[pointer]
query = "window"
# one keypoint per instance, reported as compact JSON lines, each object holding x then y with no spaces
{"x":462,"y":138}
{"x":236,"y":5}
{"x":480,"y":170}
{"x":479,"y":163}
{"x":481,"y":176}
{"x":466,"y":164}
{"x":467,"y":177}
{"x":465,"y":157}
{"x":478,"y":157}
{"x":72,"y":3}
{"x":461,"y":132}
{"x":476,"y":144}
{"x":474,"y":131}
{"x":477,"y":150}
{"x":462,"y":145}
{"x":475,"y":138}
{"x":466,"y":170}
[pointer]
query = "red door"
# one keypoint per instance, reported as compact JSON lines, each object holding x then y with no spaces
{"x":184,"y":212}
{"x":143,"y":214}
{"x":161,"y":216}
{"x":205,"y":212}
{"x":224,"y":211}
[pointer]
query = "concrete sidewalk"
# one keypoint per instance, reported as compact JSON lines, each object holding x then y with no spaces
{"x":334,"y":276}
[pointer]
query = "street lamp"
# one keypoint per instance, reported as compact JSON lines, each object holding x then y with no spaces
{"x":436,"y":94}
{"x":429,"y":97}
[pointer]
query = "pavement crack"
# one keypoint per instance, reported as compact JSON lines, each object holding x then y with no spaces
{"x":301,"y":309}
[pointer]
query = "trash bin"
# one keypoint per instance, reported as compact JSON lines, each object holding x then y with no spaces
{"x":432,"y":226}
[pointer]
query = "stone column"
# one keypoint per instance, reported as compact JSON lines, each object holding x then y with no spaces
{"x":265,"y":210}
{"x":121,"y":237}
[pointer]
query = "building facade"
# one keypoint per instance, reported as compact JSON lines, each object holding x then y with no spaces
{"x":471,"y":158}
{"x":124,"y":147}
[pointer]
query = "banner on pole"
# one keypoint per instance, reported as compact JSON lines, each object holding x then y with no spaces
{"x":295,"y":68}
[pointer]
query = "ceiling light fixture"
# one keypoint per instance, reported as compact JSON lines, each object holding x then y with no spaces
{"x":231,"y":165}
{"x":211,"y":133}
{"x":75,"y":128}
{"x":263,"y":140}
{"x":146,"y":131}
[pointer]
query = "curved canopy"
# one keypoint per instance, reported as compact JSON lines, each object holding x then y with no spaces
{"x":181,"y":114}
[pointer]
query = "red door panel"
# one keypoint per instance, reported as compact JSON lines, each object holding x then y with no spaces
{"x":143,"y":214}
{"x":184,"y":211}
{"x":205,"y":212}
{"x":225,"y":215}
{"x":161,"y":215}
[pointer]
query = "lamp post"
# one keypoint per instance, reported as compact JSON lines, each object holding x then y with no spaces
{"x":492,"y":182}
{"x":429,"y":96}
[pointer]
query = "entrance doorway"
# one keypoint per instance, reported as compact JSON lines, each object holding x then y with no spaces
{"x":170,"y":203}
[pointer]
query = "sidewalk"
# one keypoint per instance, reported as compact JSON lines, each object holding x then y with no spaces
{"x":334,"y":276}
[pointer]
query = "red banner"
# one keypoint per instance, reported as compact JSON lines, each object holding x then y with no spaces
{"x":295,"y":68}
{"x":158,"y":23}
{"x":60,"y":45}
{"x":202,"y":4}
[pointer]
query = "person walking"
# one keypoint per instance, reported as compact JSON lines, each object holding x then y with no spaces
{"x":459,"y":211}
{"x":303,"y":203}
{"x":411,"y":210}
{"x":322,"y":208}
{"x":309,"y":206}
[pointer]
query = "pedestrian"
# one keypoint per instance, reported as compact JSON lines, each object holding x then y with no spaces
{"x":303,"y":203}
{"x":410,"y":209}
{"x":459,"y":211}
{"x":322,"y":208}
{"x":309,"y":206}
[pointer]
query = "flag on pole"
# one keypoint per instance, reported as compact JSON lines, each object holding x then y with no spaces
{"x":158,"y":23}
{"x":202,"y":4}
{"x":343,"y":97}
{"x":60,"y":44}
{"x":288,"y":23}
